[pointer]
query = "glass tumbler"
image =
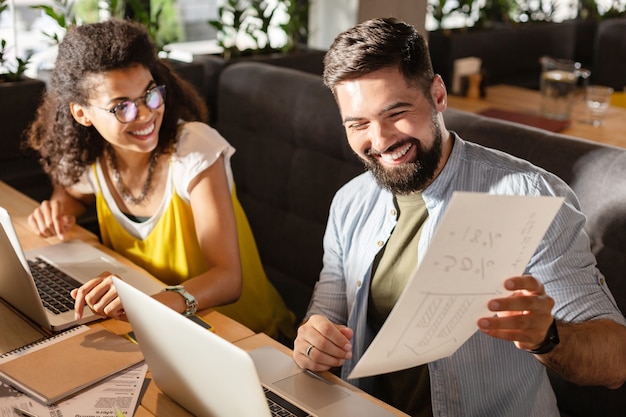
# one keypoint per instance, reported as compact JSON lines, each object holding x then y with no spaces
{"x":598,"y":98}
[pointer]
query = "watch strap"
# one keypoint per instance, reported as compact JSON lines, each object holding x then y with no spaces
{"x":190,"y":301}
{"x":549,"y":343}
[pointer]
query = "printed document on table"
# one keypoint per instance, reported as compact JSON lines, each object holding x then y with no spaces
{"x":122,"y":390}
{"x":481,"y":240}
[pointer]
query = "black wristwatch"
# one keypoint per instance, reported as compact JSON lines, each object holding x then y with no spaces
{"x":550,"y":342}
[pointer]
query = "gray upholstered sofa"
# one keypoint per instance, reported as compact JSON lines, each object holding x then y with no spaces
{"x":292,"y":156}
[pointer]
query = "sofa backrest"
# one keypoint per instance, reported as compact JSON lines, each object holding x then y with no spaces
{"x":597,"y":174}
{"x":20,"y":167}
{"x":292,"y":156}
{"x":609,"y":57}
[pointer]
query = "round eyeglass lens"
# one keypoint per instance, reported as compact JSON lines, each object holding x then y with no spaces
{"x":154,"y":98}
{"x":126,"y":111}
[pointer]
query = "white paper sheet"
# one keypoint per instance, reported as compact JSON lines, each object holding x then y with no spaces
{"x":481,"y":241}
{"x":122,"y":390}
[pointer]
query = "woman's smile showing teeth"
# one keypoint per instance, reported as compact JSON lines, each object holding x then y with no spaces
{"x":146,"y":131}
{"x":396,"y":154}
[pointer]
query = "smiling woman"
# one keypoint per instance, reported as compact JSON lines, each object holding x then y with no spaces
{"x":119,"y":128}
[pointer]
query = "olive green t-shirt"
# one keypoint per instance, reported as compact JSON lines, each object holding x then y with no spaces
{"x":409,"y":389}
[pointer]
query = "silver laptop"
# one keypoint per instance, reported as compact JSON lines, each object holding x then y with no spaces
{"x":212,"y":377}
{"x":77,"y":261}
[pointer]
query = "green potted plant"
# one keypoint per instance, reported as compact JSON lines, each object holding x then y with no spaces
{"x":69,"y":12}
{"x":10,"y":71}
{"x":65,"y":13}
{"x":252,"y":20}
{"x":244,"y":27}
{"x":250,"y":23}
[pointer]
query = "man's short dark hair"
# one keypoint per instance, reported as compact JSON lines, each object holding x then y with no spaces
{"x":377,"y":44}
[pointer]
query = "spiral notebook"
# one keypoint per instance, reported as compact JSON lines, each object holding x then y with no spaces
{"x":41,"y":343}
{"x":55,"y":368}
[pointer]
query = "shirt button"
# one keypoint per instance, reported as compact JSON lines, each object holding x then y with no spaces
{"x":358,"y":284}
{"x":393,"y":212}
{"x":380,"y":243}
{"x":602,"y":281}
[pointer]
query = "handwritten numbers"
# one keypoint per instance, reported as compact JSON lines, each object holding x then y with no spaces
{"x":465,"y":264}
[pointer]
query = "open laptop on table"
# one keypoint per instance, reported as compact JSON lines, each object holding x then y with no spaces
{"x":77,"y":261}
{"x":210,"y":376}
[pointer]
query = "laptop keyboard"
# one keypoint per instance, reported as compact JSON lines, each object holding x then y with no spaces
{"x":281,"y":407}
{"x":53,"y":285}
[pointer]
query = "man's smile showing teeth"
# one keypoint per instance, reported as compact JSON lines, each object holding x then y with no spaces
{"x":149,"y":129}
{"x":399,"y":153}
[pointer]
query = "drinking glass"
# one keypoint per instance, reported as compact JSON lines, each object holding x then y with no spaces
{"x":562,"y":84}
{"x":598,"y":100}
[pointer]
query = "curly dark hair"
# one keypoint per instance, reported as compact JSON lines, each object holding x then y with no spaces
{"x":67,"y":148}
{"x":377,"y":44}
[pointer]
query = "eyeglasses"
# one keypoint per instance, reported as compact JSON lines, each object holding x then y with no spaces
{"x":126,"y":111}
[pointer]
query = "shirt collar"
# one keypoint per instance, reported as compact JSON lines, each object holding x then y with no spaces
{"x":437,"y":190}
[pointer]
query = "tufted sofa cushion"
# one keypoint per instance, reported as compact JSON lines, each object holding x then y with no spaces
{"x":609,"y":58}
{"x":292,"y":155}
{"x":19,"y":167}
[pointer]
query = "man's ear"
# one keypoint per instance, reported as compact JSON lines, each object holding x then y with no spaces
{"x":79,"y":114}
{"x":439,"y":93}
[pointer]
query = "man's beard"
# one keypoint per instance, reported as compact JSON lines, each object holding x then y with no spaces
{"x":412,"y":176}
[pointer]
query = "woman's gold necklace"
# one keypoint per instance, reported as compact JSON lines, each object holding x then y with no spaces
{"x":119,"y":184}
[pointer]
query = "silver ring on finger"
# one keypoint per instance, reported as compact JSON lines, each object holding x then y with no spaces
{"x":308,"y":351}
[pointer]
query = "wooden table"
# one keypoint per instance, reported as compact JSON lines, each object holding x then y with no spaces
{"x":16,"y":332}
{"x":512,"y":98}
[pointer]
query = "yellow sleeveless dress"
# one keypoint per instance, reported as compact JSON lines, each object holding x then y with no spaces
{"x":172,"y":254}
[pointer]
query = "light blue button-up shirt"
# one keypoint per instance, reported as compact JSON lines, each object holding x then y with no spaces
{"x":486,"y":376}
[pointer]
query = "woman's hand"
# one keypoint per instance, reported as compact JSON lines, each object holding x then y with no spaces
{"x":49,"y":219}
{"x":100,"y":295}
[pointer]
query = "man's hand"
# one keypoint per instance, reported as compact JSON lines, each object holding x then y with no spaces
{"x":524,"y":317}
{"x":321,"y":345}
